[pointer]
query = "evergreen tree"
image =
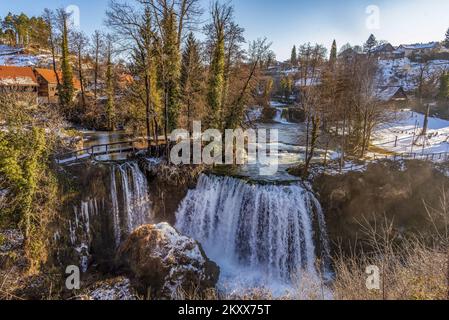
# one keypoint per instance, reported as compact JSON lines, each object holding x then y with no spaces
{"x":23,"y":30}
{"x":217,"y":71}
{"x":333,"y":56}
{"x":294,"y":56}
{"x":8,"y":25}
{"x":171,"y":60}
{"x":370,"y":44}
{"x":191,"y":76}
{"x":444,"y":86}
{"x":66,"y":89}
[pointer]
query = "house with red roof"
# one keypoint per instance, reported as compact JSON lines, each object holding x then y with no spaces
{"x":18,"y":79}
{"x":48,"y":84}
{"x":41,"y":82}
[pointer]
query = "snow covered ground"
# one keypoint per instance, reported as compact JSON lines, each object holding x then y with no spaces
{"x":406,"y":128}
{"x":10,"y":56}
{"x":403,"y":72}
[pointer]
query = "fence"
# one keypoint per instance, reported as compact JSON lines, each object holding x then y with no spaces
{"x":123,"y":147}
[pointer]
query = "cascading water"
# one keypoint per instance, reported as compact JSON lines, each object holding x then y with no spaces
{"x":126,"y":208}
{"x":135,"y":198}
{"x":80,"y":227}
{"x":260,"y":235}
{"x":279,"y":116}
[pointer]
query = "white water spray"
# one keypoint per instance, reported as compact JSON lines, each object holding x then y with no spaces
{"x":262,"y":233}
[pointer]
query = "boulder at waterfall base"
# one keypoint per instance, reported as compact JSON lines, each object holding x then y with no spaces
{"x":112,"y":289}
{"x":165,"y":264}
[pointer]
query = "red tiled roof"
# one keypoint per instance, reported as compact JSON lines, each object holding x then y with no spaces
{"x":50,"y":76}
{"x":125,"y":78}
{"x":17,"y":76}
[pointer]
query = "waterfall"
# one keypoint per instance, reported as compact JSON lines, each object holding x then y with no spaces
{"x":115,"y":209}
{"x":136,"y":200}
{"x":279,"y":116}
{"x":263,"y":234}
{"x":80,"y":230}
{"x":127,"y":206}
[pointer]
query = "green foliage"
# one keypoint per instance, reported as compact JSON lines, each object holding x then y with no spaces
{"x":370,"y":44}
{"x":191,"y":76}
{"x":66,"y":88}
{"x":172,"y":66}
{"x":23,"y":30}
{"x":287,"y":86}
{"x":294,"y":56}
{"x":216,"y":81}
{"x":333,"y":56}
{"x":2,"y":239}
{"x":24,"y":169}
{"x":444,"y":87}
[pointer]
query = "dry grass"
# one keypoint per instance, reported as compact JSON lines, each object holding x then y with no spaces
{"x":411,"y":268}
{"x":418,"y":273}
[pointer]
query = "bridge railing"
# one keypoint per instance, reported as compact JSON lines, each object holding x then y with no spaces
{"x":131,"y":146}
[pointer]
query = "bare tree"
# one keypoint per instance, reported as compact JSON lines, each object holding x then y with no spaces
{"x":187,"y":13}
{"x":97,"y":46}
{"x":135,"y":27}
{"x":49,"y":18}
{"x":80,"y":42}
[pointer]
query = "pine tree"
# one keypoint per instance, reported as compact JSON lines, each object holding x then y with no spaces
{"x":66,"y":89}
{"x":294,"y":56}
{"x":172,"y":70}
{"x":446,"y":39}
{"x":191,"y":76}
{"x":333,"y":56}
{"x":370,"y":44}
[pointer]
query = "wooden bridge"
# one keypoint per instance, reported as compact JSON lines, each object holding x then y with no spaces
{"x":130,"y":147}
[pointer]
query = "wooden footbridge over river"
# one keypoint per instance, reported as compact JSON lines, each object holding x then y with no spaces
{"x":110,"y":150}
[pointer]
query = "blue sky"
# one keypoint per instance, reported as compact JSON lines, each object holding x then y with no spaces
{"x":289,"y":22}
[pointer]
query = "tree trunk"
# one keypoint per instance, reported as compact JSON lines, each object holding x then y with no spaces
{"x":80,"y":72}
{"x":307,"y":138}
{"x":166,"y":120}
{"x":96,"y":74}
{"x":148,"y":109}
{"x":364,"y":135}
{"x":313,"y":141}
{"x":343,"y":144}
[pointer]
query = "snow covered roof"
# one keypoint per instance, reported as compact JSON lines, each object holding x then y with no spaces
{"x":382,"y":48}
{"x":17,"y":76}
{"x":389,"y":93}
{"x":7,"y":50}
{"x":419,"y":46}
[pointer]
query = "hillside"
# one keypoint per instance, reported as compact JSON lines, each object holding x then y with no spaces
{"x":10,"y":56}
{"x":405,"y":73}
